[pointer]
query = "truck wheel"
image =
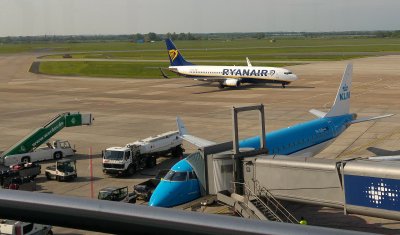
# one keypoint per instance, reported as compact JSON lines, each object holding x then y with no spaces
{"x":50,"y":232}
{"x":48,"y":176}
{"x":26,"y":159}
{"x":177,"y":152}
{"x":131,"y":170}
{"x":57,"y":155}
{"x":151,"y":162}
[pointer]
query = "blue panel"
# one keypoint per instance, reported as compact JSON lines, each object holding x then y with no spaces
{"x":372,"y":192}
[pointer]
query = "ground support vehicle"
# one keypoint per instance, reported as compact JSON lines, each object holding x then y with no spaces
{"x":63,"y":170}
{"x":12,"y":227}
{"x":140,"y":154}
{"x":19,"y":174}
{"x":145,"y":189}
{"x":119,"y":194}
{"x":28,"y":148}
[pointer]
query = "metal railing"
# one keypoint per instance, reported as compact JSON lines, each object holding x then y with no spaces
{"x":250,"y":195}
{"x":277,"y":207}
{"x":120,"y":218}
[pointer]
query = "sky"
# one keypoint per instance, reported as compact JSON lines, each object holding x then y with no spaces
{"x":87,"y":17}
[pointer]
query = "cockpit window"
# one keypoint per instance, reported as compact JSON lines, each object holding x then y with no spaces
{"x":175,"y":176}
{"x":287,"y":73}
{"x":192,"y":175}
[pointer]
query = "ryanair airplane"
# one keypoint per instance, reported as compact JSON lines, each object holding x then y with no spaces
{"x":227,"y":76}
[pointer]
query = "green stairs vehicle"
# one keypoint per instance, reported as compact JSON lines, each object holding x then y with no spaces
{"x":28,"y":149}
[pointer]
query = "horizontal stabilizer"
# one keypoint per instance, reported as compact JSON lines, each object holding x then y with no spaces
{"x":370,"y":118}
{"x":317,"y":113}
{"x":183,"y":133}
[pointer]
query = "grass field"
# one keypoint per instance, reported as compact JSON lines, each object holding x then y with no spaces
{"x":207,"y":52}
{"x":108,"y":69}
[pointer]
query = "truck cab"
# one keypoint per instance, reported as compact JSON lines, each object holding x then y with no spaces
{"x":117,"y":160}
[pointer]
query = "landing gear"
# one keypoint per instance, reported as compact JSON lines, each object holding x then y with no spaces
{"x":221,"y":86}
{"x":283,"y":85}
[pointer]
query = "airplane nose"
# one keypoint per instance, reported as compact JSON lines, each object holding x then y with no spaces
{"x":294,"y":77}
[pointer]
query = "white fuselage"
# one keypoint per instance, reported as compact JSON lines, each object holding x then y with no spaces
{"x":239,"y":73}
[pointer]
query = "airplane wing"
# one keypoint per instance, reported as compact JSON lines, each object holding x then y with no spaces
{"x":197,"y":141}
{"x":212,"y":79}
{"x":385,"y":158}
{"x":370,"y":118}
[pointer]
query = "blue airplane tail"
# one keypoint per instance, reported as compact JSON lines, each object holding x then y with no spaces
{"x":175,"y":57}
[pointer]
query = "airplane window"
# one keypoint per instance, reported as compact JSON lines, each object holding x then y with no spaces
{"x":192,"y":175}
{"x":179,"y":176}
{"x":175,"y":176}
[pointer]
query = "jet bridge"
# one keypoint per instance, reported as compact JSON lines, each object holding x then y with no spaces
{"x":252,"y":181}
{"x":219,"y":169}
{"x":358,"y":186}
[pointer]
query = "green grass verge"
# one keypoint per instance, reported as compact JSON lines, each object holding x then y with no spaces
{"x":290,"y":45}
{"x":109,"y":69}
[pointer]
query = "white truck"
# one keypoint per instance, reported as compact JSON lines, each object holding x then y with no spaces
{"x":12,"y":227}
{"x":55,"y":150}
{"x":142,"y":153}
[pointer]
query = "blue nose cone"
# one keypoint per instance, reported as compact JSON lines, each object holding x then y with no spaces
{"x":171,"y":193}
{"x":167,"y":194}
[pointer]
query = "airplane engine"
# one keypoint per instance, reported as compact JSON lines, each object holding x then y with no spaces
{"x":232,"y":82}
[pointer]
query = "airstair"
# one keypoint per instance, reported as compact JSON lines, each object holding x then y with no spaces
{"x":271,"y":207}
{"x":45,"y":132}
{"x":261,"y":205}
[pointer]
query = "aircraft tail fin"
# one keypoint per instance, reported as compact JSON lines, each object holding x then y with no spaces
{"x":341,"y":105}
{"x":175,"y":57}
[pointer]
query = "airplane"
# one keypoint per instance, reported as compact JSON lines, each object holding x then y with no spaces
{"x":226,"y":76}
{"x":305,"y":139}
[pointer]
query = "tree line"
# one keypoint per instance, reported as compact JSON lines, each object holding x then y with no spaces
{"x":151,"y":36}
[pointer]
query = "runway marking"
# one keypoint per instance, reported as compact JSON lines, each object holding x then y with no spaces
{"x":121,"y":91}
{"x":75,"y":89}
{"x":170,"y":85}
{"x":155,"y":93}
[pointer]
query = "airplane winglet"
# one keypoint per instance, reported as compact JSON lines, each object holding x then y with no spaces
{"x":248,"y":62}
{"x":370,"y":118}
{"x":181,"y":127}
{"x":183,"y":134}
